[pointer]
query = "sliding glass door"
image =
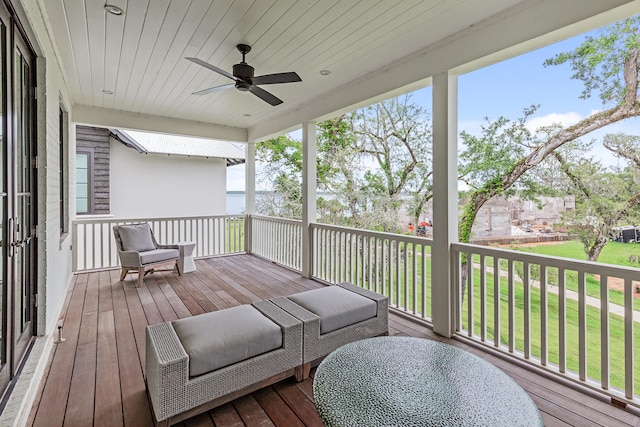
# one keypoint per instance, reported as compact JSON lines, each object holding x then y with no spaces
{"x":17,"y":198}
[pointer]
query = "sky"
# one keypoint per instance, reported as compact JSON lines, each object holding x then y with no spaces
{"x":508,"y":87}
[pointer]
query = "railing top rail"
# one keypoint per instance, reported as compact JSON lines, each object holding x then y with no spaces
{"x":277,"y":219}
{"x":624,"y":272}
{"x":378,"y":234}
{"x":128,"y":220}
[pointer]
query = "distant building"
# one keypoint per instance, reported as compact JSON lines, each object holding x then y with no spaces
{"x":129,"y":174}
{"x":510,"y":217}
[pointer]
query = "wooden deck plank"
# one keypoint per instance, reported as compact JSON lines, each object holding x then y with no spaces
{"x":104,"y":324}
{"x":53,"y":401}
{"x":178,"y":306}
{"x":135,"y":408}
{"x":160,"y":300}
{"x":278,"y":411}
{"x":192,"y":300}
{"x":202,"y":420}
{"x":226,"y":415}
{"x":299,"y":402}
{"x":251,"y":412}
{"x":80,"y":406}
{"x":108,"y":403}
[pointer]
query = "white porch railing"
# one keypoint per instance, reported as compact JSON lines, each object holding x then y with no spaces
{"x":563,"y":315}
{"x":94,"y":244}
{"x":577,"y":325}
{"x":277,"y":239}
{"x":394,"y":265}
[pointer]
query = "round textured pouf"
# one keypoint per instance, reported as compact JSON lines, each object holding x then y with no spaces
{"x":398,"y":381}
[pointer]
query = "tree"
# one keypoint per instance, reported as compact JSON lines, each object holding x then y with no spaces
{"x":396,"y":135}
{"x":607,"y":65}
{"x":366,"y":160}
{"x":604,"y":195}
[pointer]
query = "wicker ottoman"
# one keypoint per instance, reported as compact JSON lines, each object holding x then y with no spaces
{"x":335,"y":316}
{"x":198,"y":363}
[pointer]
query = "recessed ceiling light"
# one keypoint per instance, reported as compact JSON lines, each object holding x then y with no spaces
{"x":107,"y":92}
{"x":246,"y":115}
{"x":114,"y":10}
{"x":325,"y":72}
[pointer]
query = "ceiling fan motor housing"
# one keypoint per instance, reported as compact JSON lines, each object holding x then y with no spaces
{"x":244,"y":72}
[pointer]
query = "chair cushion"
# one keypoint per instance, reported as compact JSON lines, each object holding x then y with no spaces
{"x":136,"y":237}
{"x":158,"y":255}
{"x":336,"y":307}
{"x":222,"y":338}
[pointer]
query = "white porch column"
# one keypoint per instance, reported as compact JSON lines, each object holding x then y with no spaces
{"x":250,"y":192}
{"x":445,"y":201}
{"x":308,"y":193}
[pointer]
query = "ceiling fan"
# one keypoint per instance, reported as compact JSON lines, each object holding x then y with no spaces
{"x":244,"y":79}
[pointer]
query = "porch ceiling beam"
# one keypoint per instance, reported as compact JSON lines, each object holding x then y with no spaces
{"x":526,"y":26}
{"x":104,"y":117}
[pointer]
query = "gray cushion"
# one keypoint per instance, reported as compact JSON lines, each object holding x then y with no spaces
{"x":222,"y":338}
{"x":136,"y":237}
{"x":336,"y":307}
{"x":158,"y":255}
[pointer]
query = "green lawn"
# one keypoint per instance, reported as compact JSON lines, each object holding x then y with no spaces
{"x":616,"y":329}
{"x":404,"y":288}
{"x":613,"y":253}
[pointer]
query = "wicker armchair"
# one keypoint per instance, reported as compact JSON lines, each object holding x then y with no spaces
{"x":138,"y":250}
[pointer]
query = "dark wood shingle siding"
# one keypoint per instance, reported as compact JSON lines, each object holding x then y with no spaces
{"x":98,"y":140}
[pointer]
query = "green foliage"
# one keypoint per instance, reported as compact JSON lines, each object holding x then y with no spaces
{"x":599,"y":61}
{"x":365,"y":159}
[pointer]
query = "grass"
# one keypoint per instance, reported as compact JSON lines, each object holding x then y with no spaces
{"x":394,"y":276}
{"x":571,"y":344}
{"x":613,"y":253}
{"x":404,"y":287}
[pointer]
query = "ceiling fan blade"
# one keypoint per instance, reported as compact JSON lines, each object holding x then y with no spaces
{"x":213,"y":89}
{"x":269,"y":79}
{"x":264,"y":95}
{"x":212,"y":67}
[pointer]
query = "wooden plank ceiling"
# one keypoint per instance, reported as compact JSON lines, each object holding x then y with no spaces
{"x":139,"y":56}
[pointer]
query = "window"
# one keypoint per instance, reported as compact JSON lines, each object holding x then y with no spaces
{"x":64,"y":181}
{"x":84,"y":184}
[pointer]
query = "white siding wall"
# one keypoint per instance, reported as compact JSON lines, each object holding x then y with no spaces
{"x":157,"y":185}
{"x":54,"y":252}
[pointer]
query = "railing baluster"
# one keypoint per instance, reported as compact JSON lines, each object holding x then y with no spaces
{"x":526,"y":286}
{"x":544,"y":351}
{"x":604,"y":331}
{"x":496,"y":301}
{"x":562,"y":322}
{"x":470,"y":298}
{"x":424,"y":281}
{"x":483,"y":298}
{"x":628,"y":339}
{"x":582,"y":325}
{"x":512,"y":306}
{"x":414,"y":281}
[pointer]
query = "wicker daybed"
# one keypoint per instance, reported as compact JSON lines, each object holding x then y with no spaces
{"x":201,"y":362}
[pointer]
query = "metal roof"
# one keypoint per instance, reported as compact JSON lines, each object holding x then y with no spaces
{"x":155,"y":143}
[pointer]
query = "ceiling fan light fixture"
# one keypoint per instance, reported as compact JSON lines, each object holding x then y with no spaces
{"x":114,"y":10}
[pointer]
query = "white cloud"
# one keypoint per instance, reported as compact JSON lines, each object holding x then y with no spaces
{"x":565,"y":119}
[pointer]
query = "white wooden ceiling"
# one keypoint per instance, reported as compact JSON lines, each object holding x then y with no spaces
{"x":372,"y":48}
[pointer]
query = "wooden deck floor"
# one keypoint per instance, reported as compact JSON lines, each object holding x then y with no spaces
{"x":96,"y":376}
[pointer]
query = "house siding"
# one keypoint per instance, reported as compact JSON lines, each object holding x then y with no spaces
{"x":98,"y":140}
{"x":160,"y":186}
